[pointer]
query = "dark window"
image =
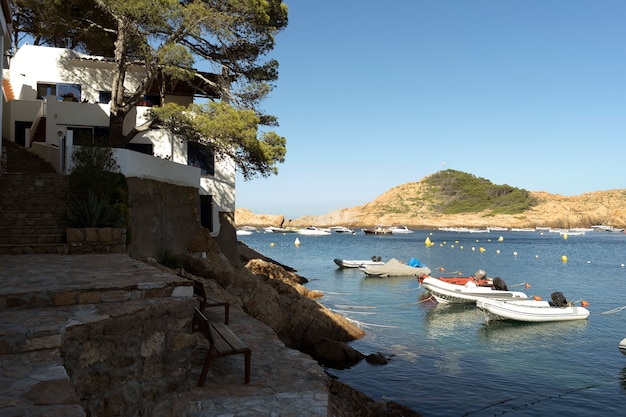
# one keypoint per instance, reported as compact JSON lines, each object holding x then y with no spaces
{"x":146,"y":148}
{"x":206,"y":204}
{"x":84,"y":136}
{"x":45,"y":90}
{"x":202,"y":157}
{"x":104,"y":97}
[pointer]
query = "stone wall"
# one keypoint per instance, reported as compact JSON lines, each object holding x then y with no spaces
{"x":127,"y":364}
{"x":95,"y":240}
{"x":163,"y":217}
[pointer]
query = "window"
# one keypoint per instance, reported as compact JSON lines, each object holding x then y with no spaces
{"x":104,"y":97}
{"x":150,"y":100}
{"x":84,"y":136}
{"x":146,"y":148}
{"x":45,"y":90}
{"x":202,"y":157}
{"x":64,"y":89}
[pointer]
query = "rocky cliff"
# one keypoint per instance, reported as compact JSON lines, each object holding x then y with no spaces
{"x":407,"y":204}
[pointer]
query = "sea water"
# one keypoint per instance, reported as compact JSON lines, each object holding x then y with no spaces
{"x":446,"y":360}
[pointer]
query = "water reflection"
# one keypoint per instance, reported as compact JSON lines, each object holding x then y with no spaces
{"x":507,"y":334}
{"x":444,"y":320}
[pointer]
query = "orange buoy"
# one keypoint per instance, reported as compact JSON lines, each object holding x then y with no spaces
{"x":536,"y":298}
{"x":527,"y":285}
{"x":584,"y":303}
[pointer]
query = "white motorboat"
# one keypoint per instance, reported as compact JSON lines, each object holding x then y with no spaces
{"x":356,"y":263}
{"x":341,"y":229}
{"x":622,"y":346}
{"x":400,"y":229}
{"x":532,"y":310}
{"x":312,"y":231}
{"x":273,"y":229}
{"x":244,"y":232}
{"x":468,"y":293}
{"x":395,"y":268}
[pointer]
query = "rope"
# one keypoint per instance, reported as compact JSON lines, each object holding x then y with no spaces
{"x":615,"y":310}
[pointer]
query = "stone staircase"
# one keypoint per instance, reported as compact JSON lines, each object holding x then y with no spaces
{"x":33,"y":204}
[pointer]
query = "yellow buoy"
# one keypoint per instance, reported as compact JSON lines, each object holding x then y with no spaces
{"x":564,"y":236}
{"x":498,"y":251}
{"x":514,"y":253}
{"x":501,"y":239}
{"x":482,"y":249}
{"x":564,"y":258}
{"x":297,"y":242}
{"x":272,"y":244}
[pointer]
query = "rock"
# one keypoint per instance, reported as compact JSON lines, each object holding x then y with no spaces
{"x":275,"y":299}
{"x":335,"y":354}
{"x":376,"y":359}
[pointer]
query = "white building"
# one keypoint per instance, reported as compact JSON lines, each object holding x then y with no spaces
{"x":38,"y":116}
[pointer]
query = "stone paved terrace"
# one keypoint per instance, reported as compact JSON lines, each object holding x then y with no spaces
{"x":42,"y":295}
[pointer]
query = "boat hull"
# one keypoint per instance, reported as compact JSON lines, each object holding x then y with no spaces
{"x":469,"y":293}
{"x":530,"y":310}
{"x":350,"y":263}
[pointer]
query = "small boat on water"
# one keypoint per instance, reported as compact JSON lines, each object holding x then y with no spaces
{"x":273,"y":229}
{"x":479,"y":278}
{"x":532,"y":310}
{"x":312,"y":231}
{"x":468,"y":293}
{"x":622,"y":346}
{"x":356,"y":263}
{"x":394,"y":268}
{"x":378,"y":230}
{"x":400,"y":229}
{"x":341,"y":229}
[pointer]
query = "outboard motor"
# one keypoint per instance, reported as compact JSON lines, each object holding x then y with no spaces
{"x":499,"y":284}
{"x":558,"y":299}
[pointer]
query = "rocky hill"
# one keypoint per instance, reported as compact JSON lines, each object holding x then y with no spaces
{"x":419,"y":205}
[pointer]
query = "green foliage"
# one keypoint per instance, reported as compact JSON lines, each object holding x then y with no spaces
{"x":100,"y":192}
{"x":460,"y":192}
{"x":227,"y":131}
{"x":167,"y":258}
{"x":95,"y":211}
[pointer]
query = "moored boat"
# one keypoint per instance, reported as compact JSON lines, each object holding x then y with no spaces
{"x":356,"y":263}
{"x":341,"y":229}
{"x":378,"y":230}
{"x":395,"y":268}
{"x":622,"y":346}
{"x":468,"y":293}
{"x":532,"y":310}
{"x":312,"y":231}
{"x":402,"y":229}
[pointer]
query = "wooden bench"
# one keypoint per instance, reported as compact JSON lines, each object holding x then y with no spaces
{"x":222,"y":342}
{"x":199,"y":293}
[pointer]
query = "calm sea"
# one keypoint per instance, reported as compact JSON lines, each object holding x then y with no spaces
{"x":447,"y":361}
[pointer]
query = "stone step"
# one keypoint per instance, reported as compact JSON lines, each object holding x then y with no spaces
{"x":42,"y":290}
{"x":33,"y":248}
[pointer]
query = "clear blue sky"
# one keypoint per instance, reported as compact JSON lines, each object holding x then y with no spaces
{"x":372,"y":95}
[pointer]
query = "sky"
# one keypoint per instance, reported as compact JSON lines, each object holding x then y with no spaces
{"x":372,"y":95}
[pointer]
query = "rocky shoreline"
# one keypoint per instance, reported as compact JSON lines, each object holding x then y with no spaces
{"x":273,"y":294}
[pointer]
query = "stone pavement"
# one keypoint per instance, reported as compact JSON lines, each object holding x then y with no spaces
{"x":40,"y":295}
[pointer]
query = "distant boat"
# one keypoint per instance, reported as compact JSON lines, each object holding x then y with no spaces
{"x":378,"y":230}
{"x":341,"y":229}
{"x":400,"y":229}
{"x":272,"y":229}
{"x":312,"y":231}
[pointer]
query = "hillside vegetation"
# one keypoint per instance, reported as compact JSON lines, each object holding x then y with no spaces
{"x":454,"y":198}
{"x":458,"y":192}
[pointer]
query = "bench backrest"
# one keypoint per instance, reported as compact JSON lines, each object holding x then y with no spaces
{"x":203,"y":324}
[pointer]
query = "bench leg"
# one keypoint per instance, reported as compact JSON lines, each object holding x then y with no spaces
{"x":205,"y":369}
{"x":248,"y":355}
